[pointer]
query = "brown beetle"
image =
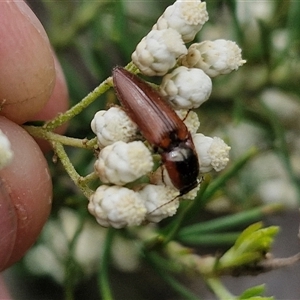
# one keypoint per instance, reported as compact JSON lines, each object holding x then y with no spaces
{"x":161,"y":126}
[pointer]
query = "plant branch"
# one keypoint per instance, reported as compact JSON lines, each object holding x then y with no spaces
{"x":103,"y":280}
{"x":79,"y":107}
{"x":77,"y":179}
{"x":219,"y":289}
{"x":40,"y":132}
{"x":85,"y":102}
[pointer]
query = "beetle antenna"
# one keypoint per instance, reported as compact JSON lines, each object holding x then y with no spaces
{"x":164,"y":204}
{"x":187,"y":114}
{"x":179,"y":195}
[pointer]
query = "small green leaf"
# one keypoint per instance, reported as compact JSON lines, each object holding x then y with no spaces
{"x":246,"y":233}
{"x":252,"y":292}
{"x":232,"y":260}
{"x":250,"y":246}
{"x":259,"y":298}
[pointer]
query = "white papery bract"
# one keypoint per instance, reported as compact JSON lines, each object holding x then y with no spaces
{"x":186,"y":17}
{"x":160,"y":201}
{"x":213,"y":153}
{"x":117,"y":207}
{"x":157,"y":52}
{"x":113,"y":125}
{"x":214,"y":57}
{"x":6,"y":153}
{"x":186,"y":88}
{"x":122,"y":162}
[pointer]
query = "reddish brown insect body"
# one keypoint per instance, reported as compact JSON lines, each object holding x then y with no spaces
{"x":161,"y":126}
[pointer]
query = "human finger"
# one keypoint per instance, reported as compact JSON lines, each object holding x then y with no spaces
{"x":27,"y":69}
{"x":58,"y":103}
{"x":25,"y":195}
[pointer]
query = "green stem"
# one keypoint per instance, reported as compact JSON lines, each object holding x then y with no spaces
{"x":79,"y":107}
{"x":215,"y":185}
{"x":177,"y":286}
{"x":103,"y":279}
{"x":209,"y":188}
{"x":131,"y":67}
{"x":219,"y":289}
{"x":40,"y":132}
{"x":228,"y":222}
{"x":69,"y":295}
{"x":175,"y":226}
{"x":85,"y":102}
{"x":61,"y":153}
{"x":210,"y":239}
{"x":70,"y":265}
{"x":88,"y":178}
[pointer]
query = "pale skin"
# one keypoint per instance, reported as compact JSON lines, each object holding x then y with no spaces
{"x":32,"y":87}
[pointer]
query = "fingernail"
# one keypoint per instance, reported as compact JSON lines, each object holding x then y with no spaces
{"x":8,"y":226}
{"x":28,"y":14}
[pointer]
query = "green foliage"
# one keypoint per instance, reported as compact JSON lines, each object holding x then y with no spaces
{"x":254,"y":293}
{"x":249,"y":247}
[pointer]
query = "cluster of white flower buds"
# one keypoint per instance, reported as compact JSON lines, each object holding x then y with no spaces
{"x":124,"y":160}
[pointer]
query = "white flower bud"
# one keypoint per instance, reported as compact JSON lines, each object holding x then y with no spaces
{"x":6,"y":154}
{"x":186,"y":17}
{"x":213,"y":153}
{"x":214,"y":57}
{"x":117,"y":207}
{"x":190,"y":119}
{"x":121,"y":163}
{"x":186,"y":88}
{"x":160,"y":202}
{"x":113,"y":125}
{"x":157,"y":52}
